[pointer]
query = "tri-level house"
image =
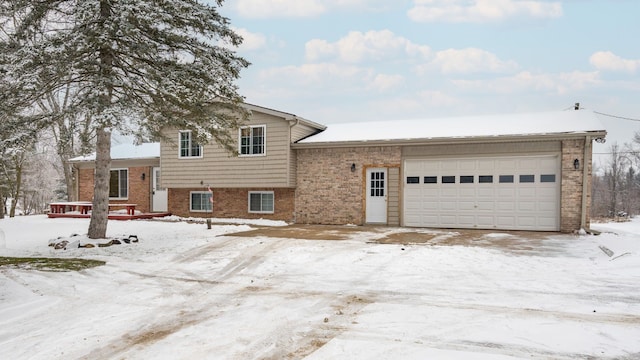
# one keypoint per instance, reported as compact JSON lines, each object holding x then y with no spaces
{"x":509,"y":172}
{"x":259,"y":182}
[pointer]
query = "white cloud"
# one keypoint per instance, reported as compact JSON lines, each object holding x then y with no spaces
{"x":359,"y":47}
{"x":606,"y":60}
{"x":467,"y":61}
{"x":251,"y":41}
{"x":481,"y":11}
{"x":315,"y":73}
{"x":384,"y":82}
{"x":337,"y":77}
{"x":526,"y":81}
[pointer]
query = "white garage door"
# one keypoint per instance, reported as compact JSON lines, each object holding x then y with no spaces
{"x":509,"y":193}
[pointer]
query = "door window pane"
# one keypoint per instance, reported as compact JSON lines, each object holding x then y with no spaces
{"x":527,"y":178}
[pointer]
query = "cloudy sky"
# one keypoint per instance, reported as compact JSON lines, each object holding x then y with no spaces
{"x":334,"y":61}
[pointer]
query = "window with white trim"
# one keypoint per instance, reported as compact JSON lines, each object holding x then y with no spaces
{"x":188,"y":146}
{"x":261,"y":202}
{"x":253,"y":140}
{"x":201,"y":201}
{"x":118,"y":184}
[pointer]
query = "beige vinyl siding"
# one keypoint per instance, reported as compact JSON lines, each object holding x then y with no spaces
{"x":482,"y":149}
{"x":298,"y":131}
{"x":218,"y":168}
{"x":301,"y":131}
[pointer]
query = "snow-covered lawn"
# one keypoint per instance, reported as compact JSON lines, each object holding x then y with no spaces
{"x":185,"y":292}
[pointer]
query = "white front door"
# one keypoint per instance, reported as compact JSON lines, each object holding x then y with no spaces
{"x":159,"y":193}
{"x":376,"y":210}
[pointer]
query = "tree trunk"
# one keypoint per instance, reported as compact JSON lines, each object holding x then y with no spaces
{"x":100,"y":211}
{"x":69,"y":181}
{"x":19,"y":164}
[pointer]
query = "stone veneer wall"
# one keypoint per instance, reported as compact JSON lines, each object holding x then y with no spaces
{"x":328,"y":192}
{"x":233,"y":203}
{"x":139,"y":190}
{"x":572,"y":182}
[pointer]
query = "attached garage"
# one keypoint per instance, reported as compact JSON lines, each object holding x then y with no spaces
{"x":498,"y":192}
{"x":504,"y":172}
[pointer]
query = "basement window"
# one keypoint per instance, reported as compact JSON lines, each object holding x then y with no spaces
{"x":201,"y":201}
{"x":261,"y":202}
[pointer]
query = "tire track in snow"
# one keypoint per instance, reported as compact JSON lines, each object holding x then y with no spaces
{"x":185,"y":315}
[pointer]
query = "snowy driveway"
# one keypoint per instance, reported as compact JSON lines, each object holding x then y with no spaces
{"x":185,"y":292}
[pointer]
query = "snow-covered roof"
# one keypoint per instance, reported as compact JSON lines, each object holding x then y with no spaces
{"x":127,"y":151}
{"x":544,"y":123}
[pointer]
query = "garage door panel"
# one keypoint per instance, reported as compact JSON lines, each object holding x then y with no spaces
{"x":506,"y":222}
{"x":467,"y":165}
{"x":486,"y":165}
{"x":448,"y":220}
{"x":486,"y":221}
{"x":447,"y":205}
{"x":549,"y":206}
{"x":527,"y":192}
{"x":486,"y":192}
{"x":466,"y":221}
{"x":486,"y":206}
{"x":529,"y":206}
{"x":466,"y":205}
{"x":449,"y":192}
{"x":506,"y":205}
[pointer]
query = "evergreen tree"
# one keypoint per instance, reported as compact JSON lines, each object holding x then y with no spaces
{"x":137,"y":66}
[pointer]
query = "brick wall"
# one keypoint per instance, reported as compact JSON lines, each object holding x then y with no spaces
{"x":233,"y":203}
{"x":328,"y":192}
{"x":139,"y":190}
{"x":572,"y":182}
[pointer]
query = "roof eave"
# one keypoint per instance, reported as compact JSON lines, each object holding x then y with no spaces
{"x":452,"y":140}
{"x":285,"y":115}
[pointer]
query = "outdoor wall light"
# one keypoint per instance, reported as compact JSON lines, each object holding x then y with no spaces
{"x":143,"y":176}
{"x":576,"y":164}
{"x":353,"y":167}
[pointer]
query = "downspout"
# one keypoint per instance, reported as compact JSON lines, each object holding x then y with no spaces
{"x":297,"y":121}
{"x":585,"y":178}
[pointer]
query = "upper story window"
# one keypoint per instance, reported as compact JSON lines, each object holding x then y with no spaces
{"x":188,"y":146}
{"x":119,"y":184}
{"x":253,"y":140}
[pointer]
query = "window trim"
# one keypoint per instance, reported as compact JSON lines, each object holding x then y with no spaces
{"x":190,"y":146}
{"x":261,"y":211}
{"x":264,"y":144}
{"x":191,"y":193}
{"x":119,"y":197}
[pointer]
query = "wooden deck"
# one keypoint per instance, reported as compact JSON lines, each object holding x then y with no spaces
{"x":82,"y":209}
{"x":111,"y":216}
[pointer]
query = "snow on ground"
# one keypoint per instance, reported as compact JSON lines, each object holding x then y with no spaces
{"x":185,"y":292}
